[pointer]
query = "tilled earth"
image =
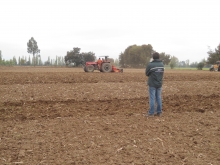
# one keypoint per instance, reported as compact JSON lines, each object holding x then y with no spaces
{"x":62,"y":116}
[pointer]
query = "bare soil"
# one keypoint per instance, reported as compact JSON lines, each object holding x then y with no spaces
{"x":52,"y":116}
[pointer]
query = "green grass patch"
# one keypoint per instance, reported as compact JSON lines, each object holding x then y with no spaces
{"x":177,"y":68}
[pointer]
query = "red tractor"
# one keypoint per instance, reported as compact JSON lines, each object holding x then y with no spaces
{"x":104,"y":66}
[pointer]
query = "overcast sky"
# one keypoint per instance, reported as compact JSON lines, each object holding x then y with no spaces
{"x":181,"y":28}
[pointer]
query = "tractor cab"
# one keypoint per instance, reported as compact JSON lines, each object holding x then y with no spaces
{"x":105,"y":59}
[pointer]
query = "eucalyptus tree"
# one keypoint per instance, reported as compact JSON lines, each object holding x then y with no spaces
{"x":32,"y":48}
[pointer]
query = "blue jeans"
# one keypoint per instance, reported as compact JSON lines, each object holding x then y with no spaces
{"x":155,"y":94}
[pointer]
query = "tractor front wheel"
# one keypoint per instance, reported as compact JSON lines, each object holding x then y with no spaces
{"x":90,"y":68}
{"x":106,"y":67}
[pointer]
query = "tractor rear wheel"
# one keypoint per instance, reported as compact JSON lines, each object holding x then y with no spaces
{"x":90,"y":68}
{"x":106,"y":67}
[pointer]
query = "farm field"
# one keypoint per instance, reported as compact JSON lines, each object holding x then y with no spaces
{"x":56,"y":116}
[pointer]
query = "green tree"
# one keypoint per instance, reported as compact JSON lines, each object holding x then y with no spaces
{"x":74,"y":56}
{"x":136,"y":56}
{"x":165,"y":58}
{"x":14,"y":61}
{"x":48,"y":61}
{"x":90,"y":56}
{"x":22,"y":61}
{"x":122,"y":59}
{"x":173,"y":62}
{"x":214,"y":55}
{"x":39,"y":60}
{"x":200,"y":65}
{"x":32,"y":48}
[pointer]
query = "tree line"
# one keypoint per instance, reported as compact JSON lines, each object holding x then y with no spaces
{"x":140,"y":56}
{"x":7,"y":62}
{"x":133,"y":56}
{"x":32,"y":61}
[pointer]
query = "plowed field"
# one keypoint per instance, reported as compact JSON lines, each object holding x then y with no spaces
{"x":52,"y":116}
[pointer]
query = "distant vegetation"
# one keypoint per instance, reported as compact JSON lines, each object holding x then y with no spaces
{"x":139,"y":56}
{"x":75,"y":57}
{"x":134,"y":56}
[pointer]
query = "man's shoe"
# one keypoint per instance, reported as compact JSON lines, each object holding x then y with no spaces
{"x":159,"y":114}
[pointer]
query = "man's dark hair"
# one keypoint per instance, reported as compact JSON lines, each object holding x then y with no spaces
{"x":156,"y":56}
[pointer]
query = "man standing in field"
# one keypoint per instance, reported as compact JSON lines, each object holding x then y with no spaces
{"x":155,"y":71}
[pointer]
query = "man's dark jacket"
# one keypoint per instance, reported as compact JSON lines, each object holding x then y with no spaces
{"x":154,"y":71}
